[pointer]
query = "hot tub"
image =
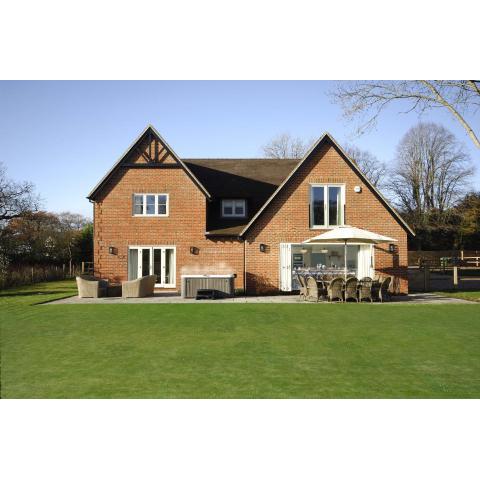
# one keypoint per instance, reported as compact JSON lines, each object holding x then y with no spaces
{"x":222,"y":284}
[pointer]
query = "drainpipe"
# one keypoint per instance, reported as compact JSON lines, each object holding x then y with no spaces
{"x":244,"y":267}
{"x":93,"y":233}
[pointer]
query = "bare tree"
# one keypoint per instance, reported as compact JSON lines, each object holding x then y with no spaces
{"x":285,"y":146}
{"x":16,"y":198}
{"x":367,"y":99}
{"x":70,"y":227}
{"x":374,"y":169}
{"x":432,"y":172}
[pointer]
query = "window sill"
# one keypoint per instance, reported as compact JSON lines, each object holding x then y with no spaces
{"x":149,"y":216}
{"x":325,"y":227}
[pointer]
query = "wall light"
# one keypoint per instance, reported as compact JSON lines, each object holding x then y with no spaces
{"x":263,"y":248}
{"x":194,"y":250}
{"x":391,"y":248}
{"x":112,"y":250}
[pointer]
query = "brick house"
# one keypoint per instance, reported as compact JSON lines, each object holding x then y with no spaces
{"x":155,"y":213}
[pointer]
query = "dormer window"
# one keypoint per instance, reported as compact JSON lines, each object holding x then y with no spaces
{"x":234,"y":208}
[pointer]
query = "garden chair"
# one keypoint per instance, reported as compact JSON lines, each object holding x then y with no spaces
{"x":335,"y":289}
{"x":91,"y":287}
{"x":303,"y":287}
{"x":141,"y":287}
{"x":381,"y":293}
{"x":351,"y":289}
{"x":313,"y":292}
{"x":365,"y":289}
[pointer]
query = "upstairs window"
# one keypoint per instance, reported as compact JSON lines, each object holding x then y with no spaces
{"x":150,"y":205}
{"x":327,"y":205}
{"x":234,"y":208}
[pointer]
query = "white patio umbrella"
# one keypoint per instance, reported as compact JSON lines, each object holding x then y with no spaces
{"x":347,"y":234}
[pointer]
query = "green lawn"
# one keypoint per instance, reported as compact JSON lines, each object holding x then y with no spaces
{"x":235,"y":350}
{"x":474,"y":296}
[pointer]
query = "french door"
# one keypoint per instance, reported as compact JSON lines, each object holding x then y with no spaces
{"x":158,"y":261}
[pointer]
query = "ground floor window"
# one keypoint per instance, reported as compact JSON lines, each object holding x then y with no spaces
{"x":328,"y":258}
{"x":158,"y":261}
{"x":321,"y":259}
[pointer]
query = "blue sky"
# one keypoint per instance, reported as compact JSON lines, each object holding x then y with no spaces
{"x":64,"y":136}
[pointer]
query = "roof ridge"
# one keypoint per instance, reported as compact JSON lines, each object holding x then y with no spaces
{"x":237,"y":158}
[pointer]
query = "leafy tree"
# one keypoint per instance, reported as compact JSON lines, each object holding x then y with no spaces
{"x":32,"y":238}
{"x":468,"y":232}
{"x":43,"y":237}
{"x":83,"y":244}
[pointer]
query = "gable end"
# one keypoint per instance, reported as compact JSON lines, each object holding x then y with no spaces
{"x":326,"y":137}
{"x":149,"y":150}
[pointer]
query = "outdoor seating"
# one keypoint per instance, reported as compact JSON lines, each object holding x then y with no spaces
{"x":318,"y":286}
{"x":141,"y":287}
{"x":381,"y":292}
{"x":91,"y":287}
{"x":322,"y":287}
{"x":335,"y":289}
{"x":314,"y":292}
{"x":303,"y":286}
{"x":365,"y":289}
{"x":351,"y":286}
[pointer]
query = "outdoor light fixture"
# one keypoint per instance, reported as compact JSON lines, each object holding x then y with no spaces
{"x":357,"y":188}
{"x":194,"y":250}
{"x":112,"y":250}
{"x":304,"y":250}
{"x":391,"y":247}
{"x":263,"y":248}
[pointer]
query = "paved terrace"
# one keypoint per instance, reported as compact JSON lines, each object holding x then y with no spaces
{"x":415,"y":298}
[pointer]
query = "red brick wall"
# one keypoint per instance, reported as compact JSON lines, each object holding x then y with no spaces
{"x":184,"y":227}
{"x":287,"y":220}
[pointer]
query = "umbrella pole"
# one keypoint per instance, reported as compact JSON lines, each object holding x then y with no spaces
{"x":345,"y":259}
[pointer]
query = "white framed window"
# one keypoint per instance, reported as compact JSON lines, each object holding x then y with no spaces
{"x":234,"y":208}
{"x":327,"y":205}
{"x":150,"y":204}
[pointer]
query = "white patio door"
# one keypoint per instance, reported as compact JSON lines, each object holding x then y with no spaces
{"x":158,"y":261}
{"x":365,"y":261}
{"x":286,"y":267}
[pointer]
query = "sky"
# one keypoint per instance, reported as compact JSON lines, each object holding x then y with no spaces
{"x":64,"y":136}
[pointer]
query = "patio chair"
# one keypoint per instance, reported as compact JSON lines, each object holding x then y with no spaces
{"x":365,"y":289}
{"x":141,"y":287}
{"x":91,"y":287}
{"x":351,"y":289}
{"x":335,"y":289}
{"x":303,"y":287}
{"x":313,"y":292}
{"x":382,"y":293}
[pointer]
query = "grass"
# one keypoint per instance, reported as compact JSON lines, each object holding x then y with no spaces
{"x":473,"y":295}
{"x":234,"y":350}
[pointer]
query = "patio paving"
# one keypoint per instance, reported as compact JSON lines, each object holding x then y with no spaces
{"x":414,"y":298}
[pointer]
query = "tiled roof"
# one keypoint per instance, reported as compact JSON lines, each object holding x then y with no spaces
{"x":254,"y":179}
